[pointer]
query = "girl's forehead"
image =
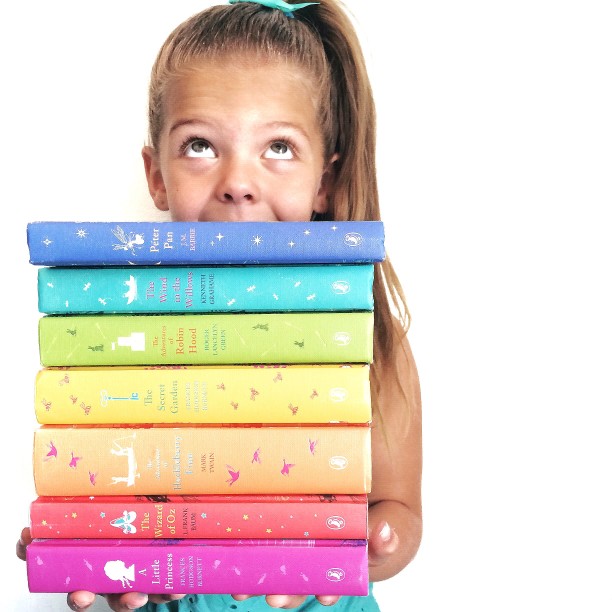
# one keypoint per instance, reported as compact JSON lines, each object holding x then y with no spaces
{"x":229,"y":76}
{"x":245,"y":93}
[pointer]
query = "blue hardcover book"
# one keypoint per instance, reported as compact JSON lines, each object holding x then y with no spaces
{"x":100,"y":243}
{"x":153,"y":289}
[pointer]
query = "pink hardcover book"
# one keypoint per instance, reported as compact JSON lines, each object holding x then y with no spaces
{"x":200,"y":516}
{"x":257,"y":567}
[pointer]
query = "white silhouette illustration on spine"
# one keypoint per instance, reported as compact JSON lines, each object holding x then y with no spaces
{"x":125,"y":521}
{"x":126,"y":451}
{"x":105,"y":397}
{"x":132,"y":293}
{"x":116,"y":570}
{"x":135,"y":341}
{"x":127,"y":242}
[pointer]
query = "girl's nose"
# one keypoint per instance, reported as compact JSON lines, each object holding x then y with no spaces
{"x":237,"y":184}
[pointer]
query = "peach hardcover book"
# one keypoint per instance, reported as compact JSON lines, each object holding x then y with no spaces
{"x":158,"y":460}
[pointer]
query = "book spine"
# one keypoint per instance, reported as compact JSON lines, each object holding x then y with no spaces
{"x":63,"y":243}
{"x":206,"y":289}
{"x":281,"y":394}
{"x":112,"y":339}
{"x":200,"y":460}
{"x":337,"y":567}
{"x":213,"y":516}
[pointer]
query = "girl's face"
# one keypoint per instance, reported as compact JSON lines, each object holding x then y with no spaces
{"x":240,"y":142}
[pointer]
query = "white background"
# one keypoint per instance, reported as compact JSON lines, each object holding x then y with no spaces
{"x":495,"y":151}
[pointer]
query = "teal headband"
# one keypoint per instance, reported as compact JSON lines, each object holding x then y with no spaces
{"x":285,"y":7}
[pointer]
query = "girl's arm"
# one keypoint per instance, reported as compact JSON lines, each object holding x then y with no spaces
{"x":395,"y":522}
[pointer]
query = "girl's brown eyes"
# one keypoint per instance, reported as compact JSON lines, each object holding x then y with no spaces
{"x":279,"y":150}
{"x":197,"y":147}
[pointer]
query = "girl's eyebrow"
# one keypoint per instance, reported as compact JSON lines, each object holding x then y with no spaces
{"x":182,"y":122}
{"x":273,"y":125}
{"x":286,"y":125}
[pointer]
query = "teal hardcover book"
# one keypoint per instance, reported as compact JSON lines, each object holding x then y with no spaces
{"x":155,"y":289}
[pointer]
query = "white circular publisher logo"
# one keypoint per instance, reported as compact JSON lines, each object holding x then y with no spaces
{"x":335,"y":574}
{"x":337,"y":462}
{"x":342,"y":338}
{"x":337,"y":394}
{"x":353,"y":239}
{"x":341,"y":287}
{"x":335,"y":522}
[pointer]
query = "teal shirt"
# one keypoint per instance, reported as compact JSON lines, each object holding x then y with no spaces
{"x":224,"y":603}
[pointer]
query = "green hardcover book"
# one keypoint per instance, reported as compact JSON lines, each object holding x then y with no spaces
{"x":203,"y":339}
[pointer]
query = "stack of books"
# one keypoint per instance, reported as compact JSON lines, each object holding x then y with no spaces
{"x":204,"y":406}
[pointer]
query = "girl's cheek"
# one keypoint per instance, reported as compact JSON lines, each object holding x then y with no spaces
{"x":181,"y":209}
{"x":178,"y":213}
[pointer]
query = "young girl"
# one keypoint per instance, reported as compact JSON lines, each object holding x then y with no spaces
{"x":263,"y":111}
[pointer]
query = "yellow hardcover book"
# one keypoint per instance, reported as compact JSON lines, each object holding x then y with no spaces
{"x":195,"y":460}
{"x":283,"y":394}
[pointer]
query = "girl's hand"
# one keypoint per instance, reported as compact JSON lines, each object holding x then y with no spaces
{"x":122,"y":602}
{"x":81,"y":600}
{"x":288,"y":602}
{"x":383,"y":543}
{"x":24,"y":539}
{"x":119,"y":602}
